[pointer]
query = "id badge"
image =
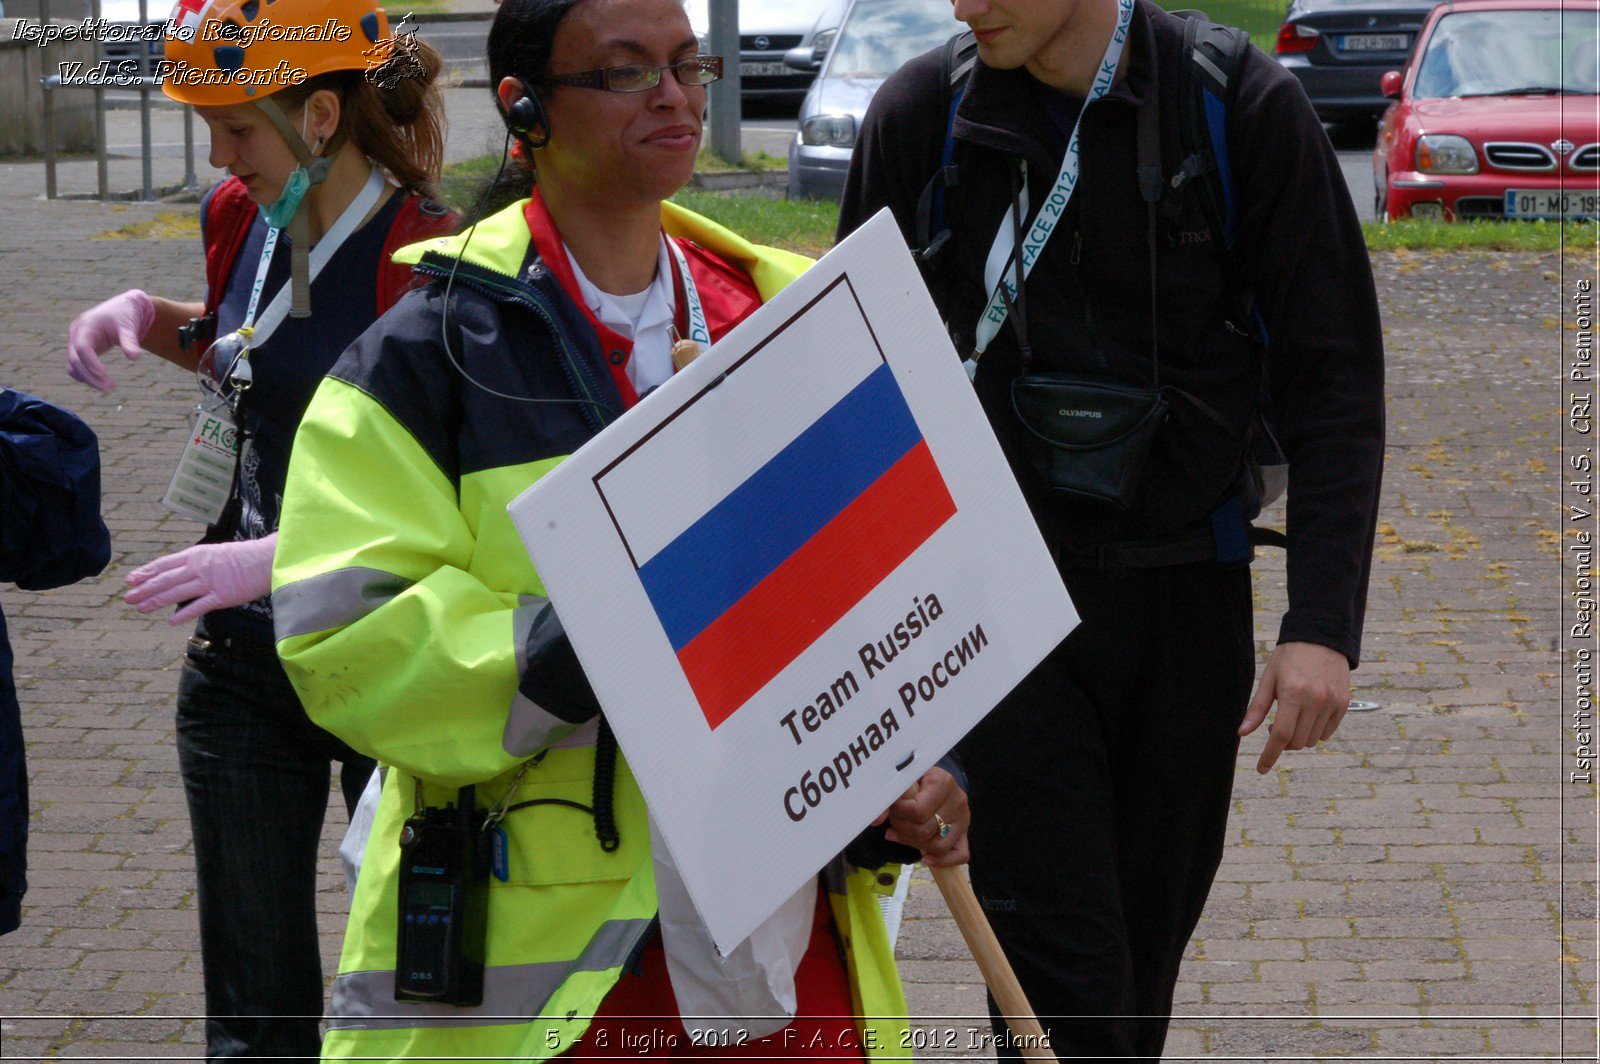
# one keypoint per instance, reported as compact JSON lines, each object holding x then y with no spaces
{"x":203,"y":482}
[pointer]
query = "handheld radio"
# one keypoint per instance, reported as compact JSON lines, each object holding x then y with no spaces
{"x":444,"y":905}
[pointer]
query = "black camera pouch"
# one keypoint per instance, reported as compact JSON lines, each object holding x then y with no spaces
{"x":1085,"y":438}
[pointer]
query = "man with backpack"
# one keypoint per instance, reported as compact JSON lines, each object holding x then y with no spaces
{"x":1196,"y":305}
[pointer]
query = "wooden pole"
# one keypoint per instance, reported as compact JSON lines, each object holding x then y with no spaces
{"x":997,"y":973}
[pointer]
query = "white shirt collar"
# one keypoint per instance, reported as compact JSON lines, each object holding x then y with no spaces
{"x":652,"y":333}
{"x":659,"y":308}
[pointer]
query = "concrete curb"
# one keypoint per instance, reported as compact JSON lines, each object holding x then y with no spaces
{"x":729,"y":180}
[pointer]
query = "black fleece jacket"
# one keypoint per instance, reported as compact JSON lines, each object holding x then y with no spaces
{"x":1299,"y":251}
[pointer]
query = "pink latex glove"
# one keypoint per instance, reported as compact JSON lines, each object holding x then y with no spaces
{"x":119,"y":321}
{"x":214,"y":575}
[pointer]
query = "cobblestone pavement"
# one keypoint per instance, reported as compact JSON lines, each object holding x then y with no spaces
{"x":1421,"y":887}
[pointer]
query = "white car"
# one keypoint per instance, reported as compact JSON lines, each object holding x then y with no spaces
{"x":876,"y":37}
{"x":767,"y":30}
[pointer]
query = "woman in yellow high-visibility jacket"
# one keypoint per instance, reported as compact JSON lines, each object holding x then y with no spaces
{"x":414,"y":627}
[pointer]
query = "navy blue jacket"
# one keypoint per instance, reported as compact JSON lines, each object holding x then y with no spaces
{"x":51,"y":534}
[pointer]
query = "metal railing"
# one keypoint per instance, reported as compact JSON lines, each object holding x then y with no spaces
{"x":144,"y":82}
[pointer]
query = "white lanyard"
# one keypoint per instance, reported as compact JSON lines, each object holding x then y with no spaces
{"x":267,"y":248}
{"x":698,"y":332}
{"x":257,"y":333}
{"x":1002,"y":283}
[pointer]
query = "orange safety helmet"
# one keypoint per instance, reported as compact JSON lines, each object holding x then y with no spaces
{"x":224,"y":52}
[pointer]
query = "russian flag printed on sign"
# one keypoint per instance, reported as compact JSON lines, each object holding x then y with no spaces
{"x":758,"y":562}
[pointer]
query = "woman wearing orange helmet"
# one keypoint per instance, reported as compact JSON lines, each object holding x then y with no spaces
{"x":331,"y":130}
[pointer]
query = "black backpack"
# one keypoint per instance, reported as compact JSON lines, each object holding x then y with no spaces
{"x":1213,"y":55}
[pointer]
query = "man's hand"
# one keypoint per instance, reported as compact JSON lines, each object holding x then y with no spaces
{"x":914,"y":819}
{"x":1311,"y":684}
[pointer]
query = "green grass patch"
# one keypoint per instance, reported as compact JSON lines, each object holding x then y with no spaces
{"x":1259,"y":18}
{"x":460,"y":183}
{"x":709,"y":163}
{"x":168,"y":225}
{"x":1414,"y":235}
{"x":805,"y":226}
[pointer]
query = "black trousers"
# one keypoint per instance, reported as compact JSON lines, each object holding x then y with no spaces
{"x":255,"y":772}
{"x":1100,"y":793}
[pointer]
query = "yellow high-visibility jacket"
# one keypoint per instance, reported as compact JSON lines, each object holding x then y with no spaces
{"x":404,"y":600}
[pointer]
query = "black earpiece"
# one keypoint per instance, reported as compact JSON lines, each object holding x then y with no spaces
{"x":526,"y":118}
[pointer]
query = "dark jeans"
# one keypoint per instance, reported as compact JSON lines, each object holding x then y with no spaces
{"x":1100,"y":793}
{"x":13,"y":796}
{"x":256,"y":771}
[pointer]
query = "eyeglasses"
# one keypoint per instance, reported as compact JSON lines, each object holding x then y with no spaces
{"x":224,"y":370}
{"x":637,"y":77}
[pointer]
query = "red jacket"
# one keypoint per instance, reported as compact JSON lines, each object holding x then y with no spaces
{"x":230,"y":214}
{"x":727,"y":294}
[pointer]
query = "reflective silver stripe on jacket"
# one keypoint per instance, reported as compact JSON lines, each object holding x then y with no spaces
{"x":587,"y":734}
{"x":528,"y":609}
{"x":332,"y":600}
{"x":512,"y":993}
{"x":530,"y":729}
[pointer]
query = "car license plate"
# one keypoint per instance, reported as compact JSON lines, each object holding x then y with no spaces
{"x":764,"y":70}
{"x":1373,"y":42}
{"x":1551,"y":203}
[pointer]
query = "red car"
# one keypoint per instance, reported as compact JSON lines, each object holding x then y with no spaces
{"x":1497,"y":114}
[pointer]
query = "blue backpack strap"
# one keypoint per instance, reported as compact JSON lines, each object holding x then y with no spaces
{"x":946,"y":157}
{"x":1216,"y":113}
{"x":1214,"y":55}
{"x":960,"y":53}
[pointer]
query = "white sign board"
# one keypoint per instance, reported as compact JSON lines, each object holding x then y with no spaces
{"x":796,"y":574}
